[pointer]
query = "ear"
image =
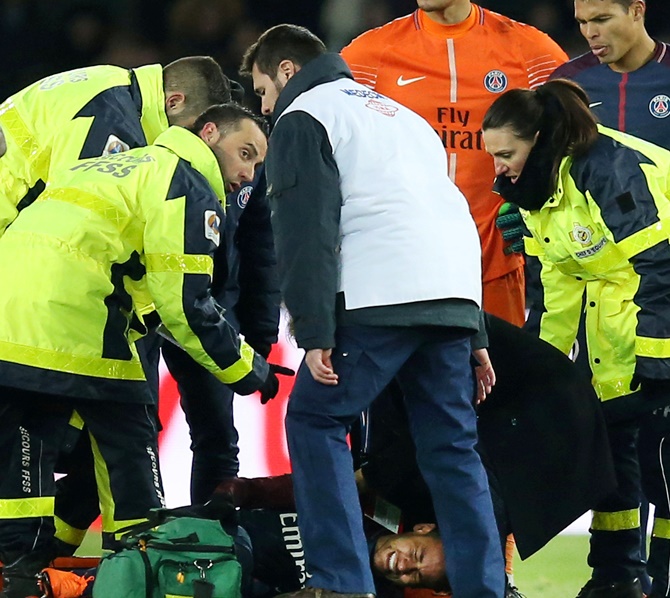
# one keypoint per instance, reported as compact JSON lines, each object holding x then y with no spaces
{"x":639,"y":8}
{"x":286,"y":70}
{"x":174,"y":102}
{"x":209,"y":134}
{"x":424,"y":528}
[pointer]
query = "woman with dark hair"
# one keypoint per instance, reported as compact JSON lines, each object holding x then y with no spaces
{"x":596,"y":202}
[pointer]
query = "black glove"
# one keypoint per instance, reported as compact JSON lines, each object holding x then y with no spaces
{"x":635,"y":382}
{"x":510,"y":224}
{"x":261,"y":347}
{"x":652,"y":388}
{"x":270,"y":387}
{"x":236,"y":91}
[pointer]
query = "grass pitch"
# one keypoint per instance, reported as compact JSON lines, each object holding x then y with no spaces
{"x":559,"y":570}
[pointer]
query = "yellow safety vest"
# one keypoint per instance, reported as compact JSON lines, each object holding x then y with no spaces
{"x":81,"y":113}
{"x":108,"y":236}
{"x":592,"y":236}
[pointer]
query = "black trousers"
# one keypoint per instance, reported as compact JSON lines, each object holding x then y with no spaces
{"x":34,"y":428}
{"x":208,"y":406}
{"x":77,"y":504}
{"x":654,"y":455}
{"x":642,"y":461}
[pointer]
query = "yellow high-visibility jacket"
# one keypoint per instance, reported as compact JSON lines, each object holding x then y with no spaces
{"x":78,"y":114}
{"x":605,"y":233}
{"x":107,"y":235}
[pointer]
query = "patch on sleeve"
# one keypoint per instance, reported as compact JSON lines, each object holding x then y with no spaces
{"x":114,"y":145}
{"x":212,"y":227}
{"x":626,"y":202}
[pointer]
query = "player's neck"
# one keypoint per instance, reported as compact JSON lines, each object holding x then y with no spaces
{"x":637,"y":57}
{"x":455,"y":14}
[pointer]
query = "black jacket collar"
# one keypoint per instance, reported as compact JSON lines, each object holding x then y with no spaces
{"x":535,"y":185}
{"x":323,"y":69}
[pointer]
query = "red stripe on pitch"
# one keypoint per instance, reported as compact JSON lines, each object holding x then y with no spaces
{"x":168,"y":402}
{"x":276,"y":455}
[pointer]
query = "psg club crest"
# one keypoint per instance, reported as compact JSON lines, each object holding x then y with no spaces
{"x":243,"y":196}
{"x":495,"y":81}
{"x":660,"y":106}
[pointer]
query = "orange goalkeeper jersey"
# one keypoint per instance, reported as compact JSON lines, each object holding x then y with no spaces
{"x":450,"y":75}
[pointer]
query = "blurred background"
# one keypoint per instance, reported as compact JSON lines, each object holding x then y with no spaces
{"x":41,"y":37}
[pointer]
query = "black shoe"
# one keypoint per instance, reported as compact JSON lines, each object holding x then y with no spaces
{"x":19,"y":577}
{"x":20,"y":588}
{"x":621,"y":589}
{"x":321,"y":593}
{"x":513,"y":592}
{"x":32,"y":562}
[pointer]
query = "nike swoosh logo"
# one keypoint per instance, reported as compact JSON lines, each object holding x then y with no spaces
{"x":594,"y":104}
{"x":402,"y":82}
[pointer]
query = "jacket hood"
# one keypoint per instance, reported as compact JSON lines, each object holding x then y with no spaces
{"x":323,"y":69}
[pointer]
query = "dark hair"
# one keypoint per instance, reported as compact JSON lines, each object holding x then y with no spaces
{"x":227,"y":118}
{"x":281,"y":42}
{"x":558,"y":111}
{"x":626,"y":4}
{"x":200,"y":79}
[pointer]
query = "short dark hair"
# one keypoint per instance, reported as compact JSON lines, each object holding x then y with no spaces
{"x":558,"y":111}
{"x":281,"y":42}
{"x":227,"y":118}
{"x":200,"y":79}
{"x":625,"y":3}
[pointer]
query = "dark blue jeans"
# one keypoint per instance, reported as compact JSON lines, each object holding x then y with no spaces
{"x":432,"y":367}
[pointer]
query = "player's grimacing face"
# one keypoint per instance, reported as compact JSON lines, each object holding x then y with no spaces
{"x":411,"y":559}
{"x":610,"y":29}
